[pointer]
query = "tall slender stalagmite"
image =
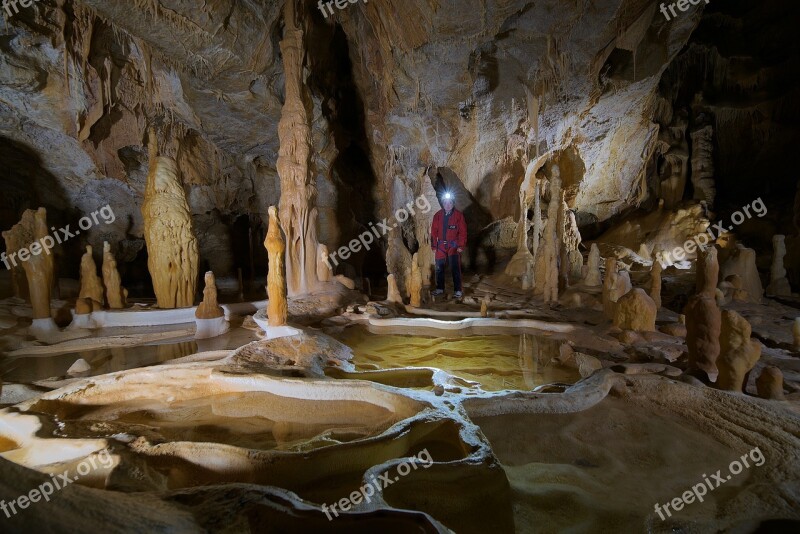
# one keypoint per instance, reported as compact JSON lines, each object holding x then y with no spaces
{"x":277,"y":308}
{"x":116,"y":295}
{"x":33,"y":232}
{"x":297,"y":190}
{"x":172,"y":252}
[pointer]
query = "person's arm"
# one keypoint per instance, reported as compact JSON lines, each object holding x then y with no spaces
{"x":462,"y":233}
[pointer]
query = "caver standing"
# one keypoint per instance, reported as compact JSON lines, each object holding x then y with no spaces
{"x":448,"y":239}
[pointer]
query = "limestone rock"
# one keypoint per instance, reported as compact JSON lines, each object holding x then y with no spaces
{"x":209,"y":308}
{"x":277,"y":308}
{"x":707,"y":272}
{"x":345,"y":281}
{"x":116,"y":295}
{"x":172,"y":250}
{"x":635,"y":311}
{"x":770,"y":383}
{"x":738,"y":353}
{"x":80,"y":368}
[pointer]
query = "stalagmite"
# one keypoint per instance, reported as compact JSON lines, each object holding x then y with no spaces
{"x":416,"y":282}
{"x":769,"y":383}
{"x":742,"y":261}
{"x":32,"y":234}
{"x":91,"y":285}
{"x":635,"y":311}
{"x":593,"y":277}
{"x":703,"y":165}
{"x":779,"y":284}
{"x":19,"y":280}
{"x":521,"y":263}
{"x":209,"y":308}
{"x":551,"y":240}
{"x":277,"y":307}
{"x":655,"y":283}
{"x":298,"y":192}
{"x":796,"y":333}
{"x":172,"y":250}
{"x":738,"y":353}
{"x":209,"y":315}
{"x":615,"y":285}
{"x":324,"y":273}
{"x":703,"y":318}
{"x":116,"y":295}
{"x":485,"y":306}
{"x":393,"y":294}
{"x":537,"y":219}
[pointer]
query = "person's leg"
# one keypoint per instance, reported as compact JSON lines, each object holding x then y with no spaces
{"x":440,"y":265}
{"x":455,"y":266}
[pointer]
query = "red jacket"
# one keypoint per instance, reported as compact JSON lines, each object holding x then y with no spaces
{"x":446,"y":241}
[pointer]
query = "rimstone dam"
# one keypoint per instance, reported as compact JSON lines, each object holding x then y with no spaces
{"x":402,"y":266}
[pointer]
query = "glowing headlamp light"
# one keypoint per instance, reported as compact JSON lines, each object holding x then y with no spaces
{"x":448,"y":196}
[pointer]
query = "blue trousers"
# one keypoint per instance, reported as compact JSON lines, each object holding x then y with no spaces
{"x":455,"y":267}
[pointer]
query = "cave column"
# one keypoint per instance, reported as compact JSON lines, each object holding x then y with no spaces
{"x":298,"y":216}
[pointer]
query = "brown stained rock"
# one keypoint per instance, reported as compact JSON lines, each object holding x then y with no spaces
{"x":770,"y":383}
{"x":393,"y":294}
{"x":674,"y":329}
{"x":209,"y":308}
{"x":738,"y":353}
{"x":116,"y":295}
{"x":277,"y":308}
{"x":635,"y":311}
{"x":84,"y":306}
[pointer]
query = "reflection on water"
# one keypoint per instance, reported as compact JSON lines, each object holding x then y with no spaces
{"x":32,"y":368}
{"x":497,"y":362}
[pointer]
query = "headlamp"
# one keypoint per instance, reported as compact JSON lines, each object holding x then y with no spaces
{"x":448,"y":196}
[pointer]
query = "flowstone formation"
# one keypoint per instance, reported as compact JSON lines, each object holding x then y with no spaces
{"x":116,"y":295}
{"x":635,"y":311}
{"x":593,"y":277}
{"x":615,"y":285}
{"x":172,"y":250}
{"x":30,"y":235}
{"x":277,"y":308}
{"x":416,"y":282}
{"x":209,"y":315}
